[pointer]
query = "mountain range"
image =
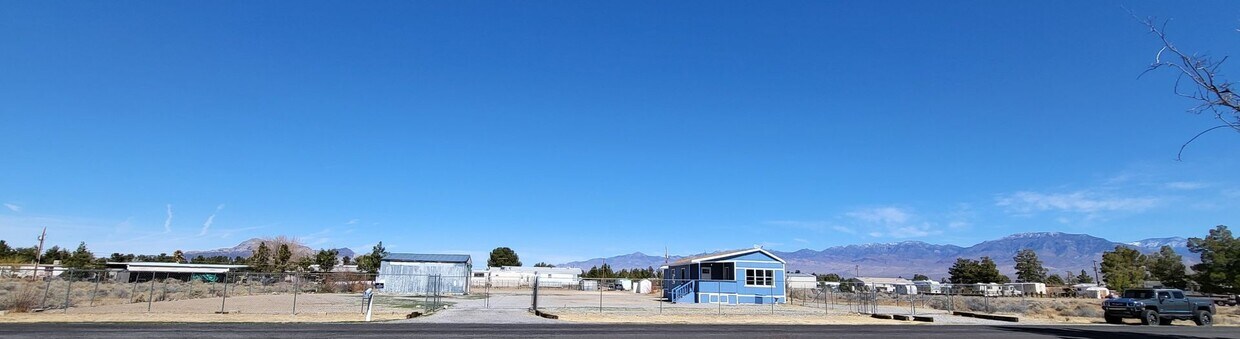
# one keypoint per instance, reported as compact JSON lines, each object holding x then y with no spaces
{"x":246,"y":248}
{"x":1059,"y":252}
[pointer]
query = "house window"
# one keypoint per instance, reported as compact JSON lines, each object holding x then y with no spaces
{"x":706,"y":273}
{"x":755,"y":277}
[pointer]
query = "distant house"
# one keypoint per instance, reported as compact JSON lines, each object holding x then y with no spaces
{"x":888,"y":285}
{"x":750,"y":276}
{"x":147,"y":271}
{"x":928,"y":287}
{"x":1092,"y":291}
{"x":424,"y":274}
{"x":1035,"y":289}
{"x":802,"y":281}
{"x":517,"y":276}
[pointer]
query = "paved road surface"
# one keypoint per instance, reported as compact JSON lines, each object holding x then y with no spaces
{"x":388,"y":330}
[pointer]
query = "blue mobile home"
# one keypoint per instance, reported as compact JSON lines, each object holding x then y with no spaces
{"x":751,"y":276}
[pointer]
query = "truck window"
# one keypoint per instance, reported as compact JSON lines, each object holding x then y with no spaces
{"x":1164,"y":294}
{"x":1177,"y":294}
{"x":1139,"y":294}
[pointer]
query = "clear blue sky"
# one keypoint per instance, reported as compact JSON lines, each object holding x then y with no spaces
{"x":570,"y":130}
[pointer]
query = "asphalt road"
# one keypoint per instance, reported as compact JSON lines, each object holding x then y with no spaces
{"x":386,"y":330}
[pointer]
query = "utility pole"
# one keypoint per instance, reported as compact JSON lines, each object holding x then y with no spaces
{"x":38,"y":256}
{"x":1096,"y":279}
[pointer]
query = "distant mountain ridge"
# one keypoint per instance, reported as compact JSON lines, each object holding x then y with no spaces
{"x":246,"y":248}
{"x":1059,"y":252}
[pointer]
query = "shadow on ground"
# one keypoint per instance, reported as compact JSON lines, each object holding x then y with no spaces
{"x":1106,"y":332}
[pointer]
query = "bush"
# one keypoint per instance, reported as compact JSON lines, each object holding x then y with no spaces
{"x":21,"y":301}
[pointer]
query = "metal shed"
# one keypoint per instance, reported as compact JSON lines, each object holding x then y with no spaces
{"x":424,"y":274}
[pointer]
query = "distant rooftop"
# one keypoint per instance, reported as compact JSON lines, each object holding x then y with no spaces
{"x":418,"y":257}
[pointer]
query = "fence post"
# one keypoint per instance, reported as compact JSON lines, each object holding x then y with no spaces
{"x":773,"y":298}
{"x":225,"y":299}
{"x":150,"y":299}
{"x":600,"y":295}
{"x":92,"y":294}
{"x":68,"y":289}
{"x":46,"y":289}
{"x":164,"y":295}
{"x":296,"y":288}
{"x":134,"y":291}
{"x":718,"y":294}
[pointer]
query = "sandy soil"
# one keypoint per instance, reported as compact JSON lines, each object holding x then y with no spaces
{"x":726,"y":319}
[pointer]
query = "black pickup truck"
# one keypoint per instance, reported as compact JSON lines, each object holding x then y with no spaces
{"x":1158,"y":306}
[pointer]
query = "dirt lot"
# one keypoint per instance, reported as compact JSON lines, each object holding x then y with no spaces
{"x":260,"y":308}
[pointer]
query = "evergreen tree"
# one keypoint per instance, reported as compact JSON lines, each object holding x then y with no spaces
{"x":370,"y":262}
{"x":346,"y":260}
{"x":1054,"y":280}
{"x":1122,"y":268}
{"x":261,"y":259}
{"x":920,"y":277}
{"x":326,"y":259}
{"x":1167,"y":267}
{"x":830,"y":277}
{"x":1029,"y":267}
{"x":503,"y":256}
{"x":1084,"y":278}
{"x":543,"y":264}
{"x":5,"y":250}
{"x":178,"y":256}
{"x":283,"y":260}
{"x":80,"y":258}
{"x":1219,"y":270}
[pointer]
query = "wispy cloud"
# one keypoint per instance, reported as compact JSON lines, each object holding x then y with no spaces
{"x":1088,"y":202}
{"x":13,"y":207}
{"x":844,"y":229}
{"x":352,"y":222}
{"x":1185,"y":185}
{"x":168,"y":221}
{"x":881,"y":215}
{"x":210,"y":219}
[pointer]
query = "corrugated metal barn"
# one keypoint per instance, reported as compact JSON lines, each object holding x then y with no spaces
{"x":425,"y":274}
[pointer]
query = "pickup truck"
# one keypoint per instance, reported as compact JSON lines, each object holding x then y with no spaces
{"x":1158,"y":306}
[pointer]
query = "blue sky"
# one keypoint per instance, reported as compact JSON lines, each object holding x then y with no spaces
{"x":571,"y":130}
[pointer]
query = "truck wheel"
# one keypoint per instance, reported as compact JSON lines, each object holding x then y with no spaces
{"x":1203,"y":318}
{"x":1149,"y":317}
{"x":1114,"y":320}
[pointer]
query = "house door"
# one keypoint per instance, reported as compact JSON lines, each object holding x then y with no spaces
{"x":705,"y":273}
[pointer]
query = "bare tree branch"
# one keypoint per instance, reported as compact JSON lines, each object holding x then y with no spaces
{"x":1212,"y":91}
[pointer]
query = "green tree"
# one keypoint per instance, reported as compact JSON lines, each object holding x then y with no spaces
{"x":829,"y":277}
{"x":303,"y":264}
{"x":283,"y":258}
{"x":543,"y":264}
{"x":326,"y":259}
{"x":369,"y":263}
{"x":178,"y":256}
{"x":1167,"y":267}
{"x":261,"y":259}
{"x":920,"y":277}
{"x":1054,"y":280}
{"x":1029,"y":267}
{"x":1084,"y":278}
{"x":80,"y":258}
{"x":1219,"y":270}
{"x":5,"y":250}
{"x":503,"y":256}
{"x":1123,"y":268}
{"x":964,"y":271}
{"x":346,"y":260}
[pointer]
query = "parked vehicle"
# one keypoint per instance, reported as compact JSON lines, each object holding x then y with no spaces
{"x":1158,"y":306}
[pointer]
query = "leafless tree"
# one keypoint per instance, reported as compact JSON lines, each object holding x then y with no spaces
{"x":1212,"y":92}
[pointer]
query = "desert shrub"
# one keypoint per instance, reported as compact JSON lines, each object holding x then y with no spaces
{"x":21,"y":301}
{"x":1084,"y":311}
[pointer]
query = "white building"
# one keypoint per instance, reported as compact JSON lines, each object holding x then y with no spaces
{"x":801,"y":281}
{"x":928,"y":287}
{"x":1033,"y":289}
{"x":888,"y":285}
{"x":1090,"y":291}
{"x":515,"y":276}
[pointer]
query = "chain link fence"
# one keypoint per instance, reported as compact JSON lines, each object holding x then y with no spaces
{"x":118,"y":291}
